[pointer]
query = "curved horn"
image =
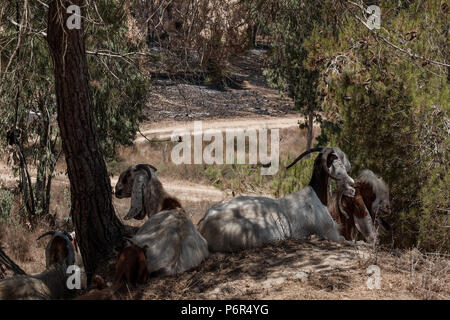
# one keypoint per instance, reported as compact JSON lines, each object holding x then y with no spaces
{"x":317,"y":149}
{"x":48,"y":233}
{"x":52,"y":232}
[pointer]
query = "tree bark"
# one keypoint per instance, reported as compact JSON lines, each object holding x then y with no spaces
{"x":96,"y":224}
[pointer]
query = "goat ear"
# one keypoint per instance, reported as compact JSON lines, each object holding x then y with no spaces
{"x":60,"y":250}
{"x":137,"y":209}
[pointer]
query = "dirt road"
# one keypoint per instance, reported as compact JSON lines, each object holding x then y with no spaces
{"x":164,"y":130}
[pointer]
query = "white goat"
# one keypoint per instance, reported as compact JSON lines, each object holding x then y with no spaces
{"x":247,"y":222}
{"x":171,"y":242}
{"x":50,"y":284}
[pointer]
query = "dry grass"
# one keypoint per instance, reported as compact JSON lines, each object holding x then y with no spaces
{"x":298,"y":270}
{"x":292,"y":142}
{"x":19,"y":243}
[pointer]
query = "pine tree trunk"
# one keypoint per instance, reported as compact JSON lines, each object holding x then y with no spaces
{"x":96,"y":224}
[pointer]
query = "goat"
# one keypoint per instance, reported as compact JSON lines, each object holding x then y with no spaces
{"x":147,"y":193}
{"x":375,"y":193}
{"x":362,"y":211}
{"x":351,"y":212}
{"x":247,"y":222}
{"x":131,"y":268}
{"x":50,"y":284}
{"x":172,"y":243}
{"x":76,"y":250}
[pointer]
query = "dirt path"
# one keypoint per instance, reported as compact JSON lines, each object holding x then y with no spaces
{"x":164,"y":130}
{"x":184,"y":190}
{"x":188,"y":191}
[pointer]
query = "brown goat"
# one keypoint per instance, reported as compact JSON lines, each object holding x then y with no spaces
{"x":351,"y":213}
{"x":131,"y":269}
{"x":361,"y":212}
{"x":131,"y":266}
{"x":148,"y":196}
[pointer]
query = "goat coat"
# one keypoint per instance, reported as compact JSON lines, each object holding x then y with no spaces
{"x":171,"y":242}
{"x":247,"y":222}
{"x":49,"y":284}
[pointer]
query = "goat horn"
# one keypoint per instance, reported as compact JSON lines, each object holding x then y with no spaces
{"x":52,"y":232}
{"x":317,"y":149}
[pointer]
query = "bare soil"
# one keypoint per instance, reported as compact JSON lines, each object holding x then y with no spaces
{"x":309,"y":269}
{"x":250,"y":96}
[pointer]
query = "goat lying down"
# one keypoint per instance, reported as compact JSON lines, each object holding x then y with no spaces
{"x":131,"y":269}
{"x":170,"y":240}
{"x":371,"y":200}
{"x":50,"y":284}
{"x":247,"y":222}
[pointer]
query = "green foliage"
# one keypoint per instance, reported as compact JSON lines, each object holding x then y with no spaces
{"x":434,"y":226}
{"x":289,"y":28}
{"x":294,"y":179}
{"x":6,"y":203}
{"x":117,"y":103}
{"x":390,"y":112}
{"x":118,"y":88}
